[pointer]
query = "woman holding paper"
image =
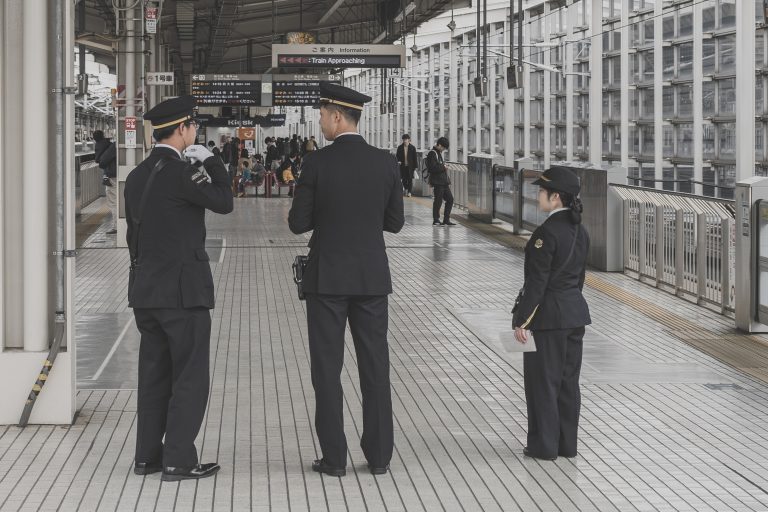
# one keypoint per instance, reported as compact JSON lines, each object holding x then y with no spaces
{"x":552,"y":307}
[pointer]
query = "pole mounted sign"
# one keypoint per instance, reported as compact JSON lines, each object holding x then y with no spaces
{"x":150,"y":15}
{"x":338,"y":56}
{"x":130,"y":132}
{"x":159,"y":78}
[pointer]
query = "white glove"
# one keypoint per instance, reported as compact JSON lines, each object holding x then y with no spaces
{"x":197,"y":153}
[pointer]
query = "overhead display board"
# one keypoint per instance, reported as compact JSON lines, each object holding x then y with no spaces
{"x":226,"y":89}
{"x":338,"y":56}
{"x":299,"y":90}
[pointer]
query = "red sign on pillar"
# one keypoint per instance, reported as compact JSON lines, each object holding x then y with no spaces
{"x":130,"y":123}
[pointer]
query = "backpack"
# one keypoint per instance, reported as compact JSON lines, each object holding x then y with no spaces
{"x":424,"y":167}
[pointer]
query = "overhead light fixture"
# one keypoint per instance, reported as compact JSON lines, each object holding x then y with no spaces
{"x":405,"y":12}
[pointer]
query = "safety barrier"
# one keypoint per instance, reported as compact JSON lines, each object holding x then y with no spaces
{"x":457,"y":172}
{"x":88,"y":181}
{"x":683,"y":243}
{"x":516,"y":198}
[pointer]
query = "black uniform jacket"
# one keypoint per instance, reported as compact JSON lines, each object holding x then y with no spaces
{"x":349,"y":193}
{"x":557,"y":304}
{"x":412,"y":160}
{"x":436,"y":167}
{"x":173,"y":269}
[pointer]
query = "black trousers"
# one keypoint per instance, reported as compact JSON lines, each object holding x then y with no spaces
{"x":552,"y":391}
{"x":327,"y":317}
{"x":173,"y":383}
{"x":442,"y":192}
{"x":406,"y":175}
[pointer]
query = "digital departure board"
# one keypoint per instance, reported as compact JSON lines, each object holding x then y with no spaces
{"x":227,"y":89}
{"x":299,"y":90}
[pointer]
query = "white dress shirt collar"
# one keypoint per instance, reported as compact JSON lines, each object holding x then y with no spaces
{"x":557,"y":210}
{"x":171,"y":147}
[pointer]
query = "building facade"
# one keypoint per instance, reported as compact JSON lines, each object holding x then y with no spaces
{"x":672,"y":90}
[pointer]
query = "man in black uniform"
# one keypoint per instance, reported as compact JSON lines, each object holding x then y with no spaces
{"x":171,"y":289}
{"x":438,"y":178}
{"x":349,"y":193}
{"x":553,"y":307}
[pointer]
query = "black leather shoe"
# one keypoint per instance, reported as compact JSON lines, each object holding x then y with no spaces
{"x":436,"y":223}
{"x":448,"y":223}
{"x":567,"y":456}
{"x":320,"y":466}
{"x":528,"y":453}
{"x":112,"y":232}
{"x":380,"y":470}
{"x":147,"y":468}
{"x":174,"y":474}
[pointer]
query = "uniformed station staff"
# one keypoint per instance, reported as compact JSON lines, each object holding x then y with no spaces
{"x":171,"y":289}
{"x":553,"y":308}
{"x":348,"y":194}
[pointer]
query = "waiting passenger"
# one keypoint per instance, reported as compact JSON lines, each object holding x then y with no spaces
{"x":213,"y":149}
{"x":289,"y":171}
{"x":552,"y":306}
{"x":245,"y":176}
{"x":439,"y":179}
{"x":406,"y":157}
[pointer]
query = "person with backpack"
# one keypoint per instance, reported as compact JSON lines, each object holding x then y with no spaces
{"x":438,"y":178}
{"x":552,"y":306}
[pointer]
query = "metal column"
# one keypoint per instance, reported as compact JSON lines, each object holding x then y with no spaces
{"x":596,"y":83}
{"x":745,"y":90}
{"x":36,"y":297}
{"x":453,"y":108}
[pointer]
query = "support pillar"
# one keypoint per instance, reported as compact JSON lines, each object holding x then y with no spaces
{"x":745,"y":90}
{"x":596,"y":83}
{"x":36,"y":266}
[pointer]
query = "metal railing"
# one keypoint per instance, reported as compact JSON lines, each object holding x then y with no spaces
{"x":88,"y":181}
{"x":516,"y":198}
{"x":684,"y":243}
{"x":457,"y":173}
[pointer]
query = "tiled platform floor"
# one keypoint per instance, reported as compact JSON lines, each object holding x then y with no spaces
{"x":664,"y":426}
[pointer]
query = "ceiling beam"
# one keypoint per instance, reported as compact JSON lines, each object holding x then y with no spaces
{"x":327,"y":15}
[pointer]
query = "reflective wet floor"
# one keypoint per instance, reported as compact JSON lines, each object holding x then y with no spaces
{"x":664,"y":426}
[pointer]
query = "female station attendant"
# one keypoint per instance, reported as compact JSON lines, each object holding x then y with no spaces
{"x":553,"y":308}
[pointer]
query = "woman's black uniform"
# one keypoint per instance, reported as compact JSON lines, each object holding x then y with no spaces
{"x":556,"y":312}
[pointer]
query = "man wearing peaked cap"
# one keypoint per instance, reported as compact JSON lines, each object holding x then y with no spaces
{"x":170,"y":289}
{"x":348,"y":194}
{"x":335,"y":94}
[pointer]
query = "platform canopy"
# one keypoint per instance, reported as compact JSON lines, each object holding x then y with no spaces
{"x":236,"y":36}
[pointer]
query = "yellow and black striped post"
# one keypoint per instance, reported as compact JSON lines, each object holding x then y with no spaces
{"x":58,"y":337}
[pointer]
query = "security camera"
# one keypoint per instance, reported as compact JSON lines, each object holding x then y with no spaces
{"x":452,"y":25}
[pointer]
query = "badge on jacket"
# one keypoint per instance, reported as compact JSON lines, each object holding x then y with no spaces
{"x":200,"y":177}
{"x":538,"y":243}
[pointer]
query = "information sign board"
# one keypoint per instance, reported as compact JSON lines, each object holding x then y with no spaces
{"x":338,"y":56}
{"x":299,"y":90}
{"x":226,"y":89}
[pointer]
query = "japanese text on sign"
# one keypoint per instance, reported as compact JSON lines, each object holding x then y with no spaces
{"x":160,"y":78}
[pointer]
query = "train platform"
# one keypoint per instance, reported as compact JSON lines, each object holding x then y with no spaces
{"x":675,"y":400}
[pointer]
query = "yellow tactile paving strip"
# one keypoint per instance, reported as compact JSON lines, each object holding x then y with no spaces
{"x":741,"y":351}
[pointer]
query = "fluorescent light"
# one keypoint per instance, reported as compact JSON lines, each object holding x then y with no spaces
{"x":405,"y":12}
